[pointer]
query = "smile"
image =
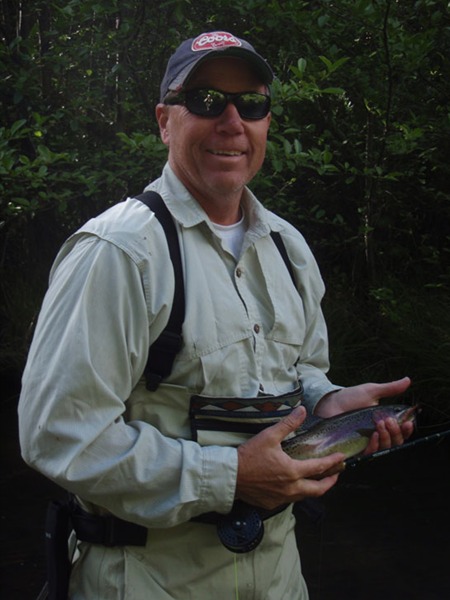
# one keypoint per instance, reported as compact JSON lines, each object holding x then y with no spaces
{"x":226,"y":152}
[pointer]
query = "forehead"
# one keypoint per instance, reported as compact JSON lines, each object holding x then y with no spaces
{"x":227,"y":74}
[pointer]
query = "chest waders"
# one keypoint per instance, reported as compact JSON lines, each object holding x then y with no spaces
{"x":239,"y":531}
{"x":242,"y":529}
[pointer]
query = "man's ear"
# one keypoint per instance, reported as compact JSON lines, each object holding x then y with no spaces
{"x":162,"y":116}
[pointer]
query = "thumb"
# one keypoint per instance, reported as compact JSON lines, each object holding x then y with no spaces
{"x":393,"y":388}
{"x":289,"y":424}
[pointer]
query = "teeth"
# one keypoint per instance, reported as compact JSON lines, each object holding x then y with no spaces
{"x":224,"y":153}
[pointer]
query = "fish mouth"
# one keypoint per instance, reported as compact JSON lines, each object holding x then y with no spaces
{"x":410,"y":413}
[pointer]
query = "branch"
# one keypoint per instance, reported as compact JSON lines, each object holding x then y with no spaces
{"x":389,"y":81}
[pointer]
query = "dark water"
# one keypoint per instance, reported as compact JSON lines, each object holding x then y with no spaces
{"x":385,"y":531}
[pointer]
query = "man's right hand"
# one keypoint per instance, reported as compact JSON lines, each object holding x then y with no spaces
{"x":268,"y":477}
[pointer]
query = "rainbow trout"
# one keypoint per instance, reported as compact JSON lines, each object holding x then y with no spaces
{"x":348,"y":432}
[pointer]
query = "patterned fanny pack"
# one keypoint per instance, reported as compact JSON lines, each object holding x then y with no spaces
{"x":237,"y":418}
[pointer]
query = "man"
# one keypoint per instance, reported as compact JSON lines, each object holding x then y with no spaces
{"x":173,"y":460}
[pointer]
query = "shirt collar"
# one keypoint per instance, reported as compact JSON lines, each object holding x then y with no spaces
{"x":188,"y":212}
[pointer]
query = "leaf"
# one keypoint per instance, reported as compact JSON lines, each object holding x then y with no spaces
{"x":301,"y":64}
{"x":45,"y":153}
{"x":327,"y":62}
{"x":333,"y":66}
{"x":16,"y":126}
{"x":333,"y":90}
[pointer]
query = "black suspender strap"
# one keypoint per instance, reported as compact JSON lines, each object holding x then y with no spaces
{"x":278,"y":240}
{"x":162,"y":352}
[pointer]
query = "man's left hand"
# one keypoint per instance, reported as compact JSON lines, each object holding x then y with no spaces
{"x":388,"y":433}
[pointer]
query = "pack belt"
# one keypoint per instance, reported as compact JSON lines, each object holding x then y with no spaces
{"x":213,"y":518}
{"x":241,"y":530}
{"x":106,"y":530}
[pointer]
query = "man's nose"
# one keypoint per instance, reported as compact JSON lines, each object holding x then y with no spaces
{"x":230,"y":120}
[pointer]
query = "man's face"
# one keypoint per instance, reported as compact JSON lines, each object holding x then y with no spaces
{"x":216,"y":157}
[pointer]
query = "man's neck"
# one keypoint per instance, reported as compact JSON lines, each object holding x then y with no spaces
{"x":222,"y":208}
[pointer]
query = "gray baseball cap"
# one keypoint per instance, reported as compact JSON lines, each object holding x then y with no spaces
{"x":194,"y":51}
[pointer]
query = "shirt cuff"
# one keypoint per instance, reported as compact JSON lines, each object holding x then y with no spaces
{"x":220,"y":465}
{"x":315,"y":391}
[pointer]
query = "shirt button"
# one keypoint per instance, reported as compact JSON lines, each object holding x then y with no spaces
{"x":256,"y":328}
{"x":238,"y":272}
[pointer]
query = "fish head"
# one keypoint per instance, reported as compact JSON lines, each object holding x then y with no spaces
{"x":400,"y":412}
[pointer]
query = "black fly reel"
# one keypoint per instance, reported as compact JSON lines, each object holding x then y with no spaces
{"x":242,"y":529}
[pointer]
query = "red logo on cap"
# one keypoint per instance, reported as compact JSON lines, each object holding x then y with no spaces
{"x":213,"y":40}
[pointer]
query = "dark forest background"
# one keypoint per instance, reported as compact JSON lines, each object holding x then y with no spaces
{"x":358,"y":155}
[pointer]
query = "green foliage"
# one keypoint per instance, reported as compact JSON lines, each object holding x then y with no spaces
{"x":357,"y":152}
{"x":403,"y":330}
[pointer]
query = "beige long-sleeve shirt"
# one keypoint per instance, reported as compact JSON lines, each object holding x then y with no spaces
{"x":86,"y":419}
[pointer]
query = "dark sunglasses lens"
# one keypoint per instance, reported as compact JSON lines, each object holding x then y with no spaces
{"x":205,"y":103}
{"x":252,"y":105}
{"x":212,"y":103}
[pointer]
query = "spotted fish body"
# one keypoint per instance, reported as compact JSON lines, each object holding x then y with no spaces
{"x":348,"y":433}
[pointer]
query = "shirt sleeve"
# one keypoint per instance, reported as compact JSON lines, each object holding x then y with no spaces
{"x":88,"y":352}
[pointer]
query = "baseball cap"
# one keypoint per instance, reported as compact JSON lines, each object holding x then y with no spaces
{"x":194,"y":51}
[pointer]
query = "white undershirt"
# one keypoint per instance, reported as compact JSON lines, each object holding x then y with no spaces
{"x":232,"y":236}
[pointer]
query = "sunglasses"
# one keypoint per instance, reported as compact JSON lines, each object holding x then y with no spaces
{"x":212,"y":103}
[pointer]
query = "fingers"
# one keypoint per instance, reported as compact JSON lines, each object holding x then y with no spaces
{"x":314,"y":488}
{"x":318,"y":468}
{"x":374,"y":444}
{"x":407,"y":429}
{"x":314,"y":479}
{"x":335,"y":470}
{"x":388,"y":434}
{"x":317,"y":476}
